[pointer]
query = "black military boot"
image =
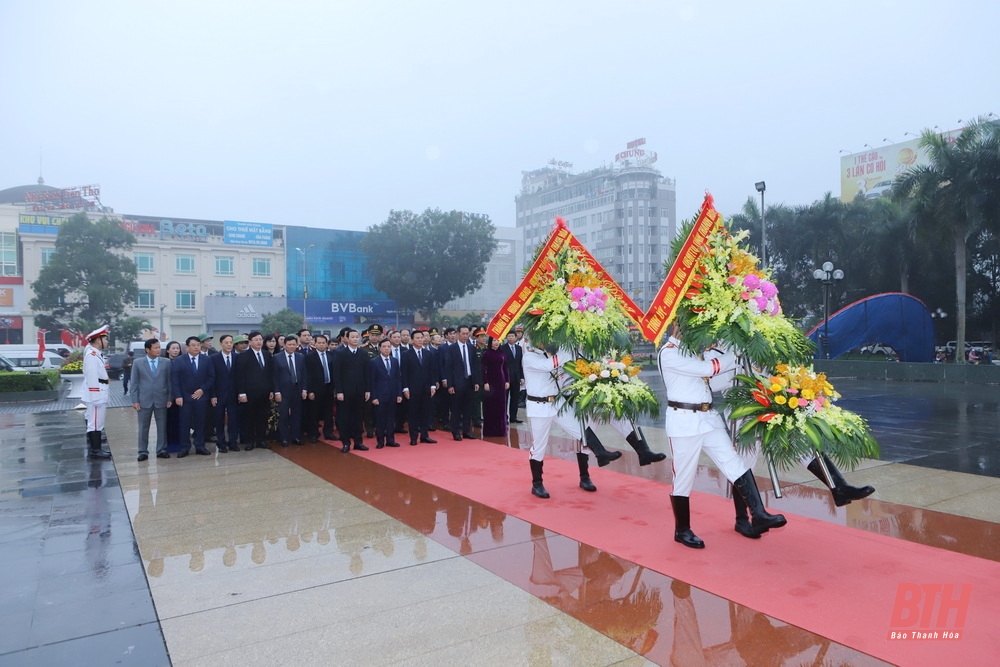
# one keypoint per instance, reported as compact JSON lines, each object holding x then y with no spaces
{"x":743,"y":526}
{"x":604,"y":457}
{"x":843,"y":493}
{"x":96,"y":451}
{"x":585,"y":482}
{"x":682,"y":523}
{"x":536,"y":479}
{"x":637,"y":439}
{"x":761,"y":521}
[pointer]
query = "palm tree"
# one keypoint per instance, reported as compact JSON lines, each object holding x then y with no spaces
{"x":956,"y":195}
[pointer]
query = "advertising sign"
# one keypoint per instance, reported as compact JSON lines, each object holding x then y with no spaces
{"x":324,"y":311}
{"x":872,"y":172}
{"x":40,"y":224}
{"x":248,"y":233}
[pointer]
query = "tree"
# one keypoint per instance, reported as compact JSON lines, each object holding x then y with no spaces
{"x":129,"y":329}
{"x":89,"y":279}
{"x":424,"y":261}
{"x":285,"y":321}
{"x":955,"y":196}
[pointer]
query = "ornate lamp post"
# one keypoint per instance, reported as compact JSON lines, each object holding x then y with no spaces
{"x":828,"y":276}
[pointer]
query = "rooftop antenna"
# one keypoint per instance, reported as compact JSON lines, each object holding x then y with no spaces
{"x":41,"y":181}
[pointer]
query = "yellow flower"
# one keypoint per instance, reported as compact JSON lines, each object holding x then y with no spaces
{"x":775,"y":387}
{"x":780,"y":399}
{"x":793,"y":402}
{"x":615,"y":373}
{"x":808,"y":394}
{"x":627,"y":360}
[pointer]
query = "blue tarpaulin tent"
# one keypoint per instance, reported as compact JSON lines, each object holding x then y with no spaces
{"x":894,"y":318}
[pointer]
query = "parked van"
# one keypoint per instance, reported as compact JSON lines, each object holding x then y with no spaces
{"x":58,"y":348}
{"x":6,"y":365}
{"x":29,"y":360}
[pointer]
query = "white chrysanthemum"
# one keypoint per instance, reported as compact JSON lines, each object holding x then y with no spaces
{"x":605,"y":373}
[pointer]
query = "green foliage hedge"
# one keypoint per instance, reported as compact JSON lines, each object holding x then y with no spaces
{"x":18,"y":382}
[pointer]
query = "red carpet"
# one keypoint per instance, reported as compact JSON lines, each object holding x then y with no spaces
{"x":836,"y":581}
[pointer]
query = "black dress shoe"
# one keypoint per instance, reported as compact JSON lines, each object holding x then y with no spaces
{"x":457,"y":437}
{"x":360,"y":447}
{"x":162,"y":455}
{"x":203,"y":452}
{"x":296,"y":442}
{"x":284,"y":443}
{"x":314,"y":438}
{"x":263,"y":445}
{"x":380,"y":445}
{"x":234,"y":448}
{"x":413,"y":443}
{"x":429,"y":441}
{"x":468,"y":436}
{"x":184,"y":452}
{"x":516,"y":421}
{"x":222,"y":449}
{"x":346,"y":448}
{"x":329,"y":436}
{"x":392,"y":443}
{"x":144,"y":456}
{"x":248,"y":448}
{"x":369,"y":434}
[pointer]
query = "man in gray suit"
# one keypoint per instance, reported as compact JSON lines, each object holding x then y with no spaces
{"x":150,"y":392}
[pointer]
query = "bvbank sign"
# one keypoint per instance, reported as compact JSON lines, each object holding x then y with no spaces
{"x":342,"y":311}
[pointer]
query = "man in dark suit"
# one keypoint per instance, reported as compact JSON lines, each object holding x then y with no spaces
{"x":290,"y":389}
{"x":515,"y":368}
{"x":420,"y":378}
{"x":386,"y":391}
{"x":254,"y":390}
{"x":463,"y":383}
{"x":319,"y":365}
{"x":150,"y":395}
{"x":224,"y":397}
{"x":192,"y":376}
{"x":350,"y":381}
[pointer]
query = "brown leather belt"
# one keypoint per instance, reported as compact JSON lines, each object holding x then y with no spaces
{"x":541,"y":399}
{"x":696,"y":407}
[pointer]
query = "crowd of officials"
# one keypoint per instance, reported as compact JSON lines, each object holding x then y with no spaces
{"x":267,"y":388}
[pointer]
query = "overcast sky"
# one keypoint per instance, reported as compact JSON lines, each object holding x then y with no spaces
{"x":332,"y":113}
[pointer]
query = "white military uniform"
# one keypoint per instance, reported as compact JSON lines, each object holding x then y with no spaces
{"x":543,"y":375}
{"x":95,"y":385}
{"x":687,"y":379}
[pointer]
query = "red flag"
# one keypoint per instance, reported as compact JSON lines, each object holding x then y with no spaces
{"x":66,"y":337}
{"x":41,"y":344}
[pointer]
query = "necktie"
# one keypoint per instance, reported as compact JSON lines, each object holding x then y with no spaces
{"x":388,"y":368}
{"x":194,"y":363}
{"x":260,"y":360}
{"x":420,"y":358}
{"x":291,"y":366}
{"x":153,"y":364}
{"x":465,"y":359}
{"x":326,"y":369}
{"x":395,"y":353}
{"x":229,"y":366}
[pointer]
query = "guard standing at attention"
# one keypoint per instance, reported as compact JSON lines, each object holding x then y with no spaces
{"x":95,"y":389}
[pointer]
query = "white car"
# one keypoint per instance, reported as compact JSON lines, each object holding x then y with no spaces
{"x":879,"y":189}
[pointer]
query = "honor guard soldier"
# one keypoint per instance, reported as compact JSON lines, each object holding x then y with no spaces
{"x":693,"y":426}
{"x":480,"y":336}
{"x":95,"y":389}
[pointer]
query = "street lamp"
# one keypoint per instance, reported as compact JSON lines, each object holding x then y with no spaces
{"x":162,"y":308}
{"x":305,"y":288}
{"x":763,"y":227}
{"x":829,"y":277}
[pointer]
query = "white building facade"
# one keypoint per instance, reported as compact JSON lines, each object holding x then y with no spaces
{"x":626,"y":215}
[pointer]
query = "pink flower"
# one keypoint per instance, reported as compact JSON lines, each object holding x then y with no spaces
{"x":751,"y":281}
{"x":761,"y":303}
{"x":731,"y":280}
{"x":768,"y":289}
{"x":745,"y":295}
{"x":775,"y":307}
{"x":577,"y":293}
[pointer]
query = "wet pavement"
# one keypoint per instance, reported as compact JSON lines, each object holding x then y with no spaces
{"x":306,"y":554}
{"x":73,"y":586}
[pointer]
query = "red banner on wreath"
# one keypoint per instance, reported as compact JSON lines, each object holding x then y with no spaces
{"x":537,"y":276}
{"x":664,"y":306}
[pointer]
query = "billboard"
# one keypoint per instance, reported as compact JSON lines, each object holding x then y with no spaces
{"x":871,"y":172}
